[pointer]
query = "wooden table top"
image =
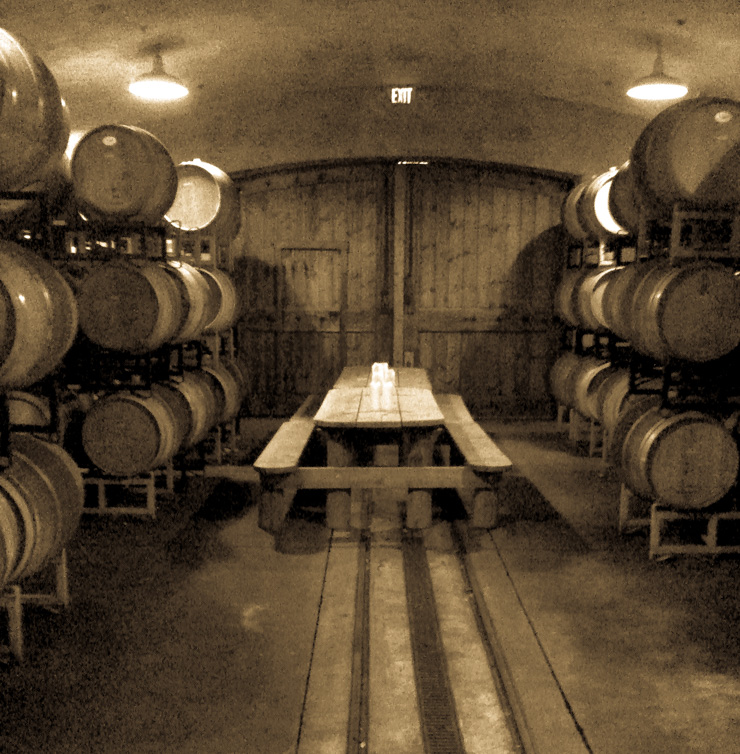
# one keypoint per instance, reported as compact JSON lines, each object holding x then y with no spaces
{"x":349,"y":405}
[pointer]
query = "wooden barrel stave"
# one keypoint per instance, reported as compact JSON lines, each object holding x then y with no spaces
{"x":634,"y":406}
{"x":590,"y":297}
{"x":566,"y":295}
{"x":617,"y":299}
{"x":200,"y":392}
{"x":624,"y":203}
{"x":644,"y":328}
{"x":570,"y":215}
{"x":28,"y":409}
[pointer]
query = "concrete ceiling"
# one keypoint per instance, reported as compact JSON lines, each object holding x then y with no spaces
{"x":308,"y":79}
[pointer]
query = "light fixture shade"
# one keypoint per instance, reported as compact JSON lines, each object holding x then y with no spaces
{"x":158,"y":86}
{"x":657,"y":86}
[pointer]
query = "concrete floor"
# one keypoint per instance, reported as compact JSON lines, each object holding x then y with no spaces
{"x":193,"y":633}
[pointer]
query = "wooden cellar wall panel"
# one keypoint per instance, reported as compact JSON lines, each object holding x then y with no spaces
{"x":485,"y":253}
{"x":313,"y":273}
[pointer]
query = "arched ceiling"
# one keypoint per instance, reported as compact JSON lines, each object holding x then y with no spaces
{"x":289,"y":80}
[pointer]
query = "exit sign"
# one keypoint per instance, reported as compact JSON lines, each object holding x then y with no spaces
{"x":401,"y":95}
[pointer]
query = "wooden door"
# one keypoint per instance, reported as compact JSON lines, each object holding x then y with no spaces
{"x":312,"y":261}
{"x":484,"y":253}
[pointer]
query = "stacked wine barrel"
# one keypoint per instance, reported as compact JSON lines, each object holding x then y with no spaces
{"x":125,"y":433}
{"x":41,"y":488}
{"x":668,"y":311}
{"x":136,"y":307}
{"x":118,"y":177}
{"x":688,"y":154}
{"x":123,"y":176}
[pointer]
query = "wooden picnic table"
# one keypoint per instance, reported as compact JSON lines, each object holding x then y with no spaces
{"x":389,"y":449}
{"x":399,"y":432}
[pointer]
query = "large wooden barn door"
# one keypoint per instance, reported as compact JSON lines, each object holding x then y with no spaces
{"x":482,"y":263}
{"x":312,"y":270}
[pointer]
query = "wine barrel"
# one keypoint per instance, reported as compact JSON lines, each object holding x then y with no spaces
{"x":41,"y":497}
{"x":34,"y":123}
{"x":195,"y":296}
{"x":203,"y":399}
{"x":616,"y":301}
{"x":587,"y":381}
{"x":32,"y":490}
{"x":562,"y":378}
{"x":38,"y":316}
{"x":684,"y":459}
{"x":207,"y":201}
{"x":569,"y":212}
{"x":194,"y":404}
{"x":223,"y":303}
{"x":237,"y":370}
{"x":11,"y":536}
{"x":595,"y":209}
{"x":180,"y":411}
{"x":689,"y":311}
{"x":566,"y":295}
{"x":229,"y":391}
{"x":62,"y":475}
{"x":624,"y":204}
{"x":690,"y":152}
{"x":131,"y":307}
{"x":589,"y":298}
{"x":614,"y":396}
{"x":125,"y":434}
{"x":632,"y":407}
{"x":53,"y":192}
{"x":123,"y":174}
{"x":28,"y":409}
{"x":611,"y":395}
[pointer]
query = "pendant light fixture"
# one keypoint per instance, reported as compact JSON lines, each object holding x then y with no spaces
{"x":158,"y":86}
{"x":657,"y":86}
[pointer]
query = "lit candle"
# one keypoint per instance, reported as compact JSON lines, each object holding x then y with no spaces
{"x":387,"y":394}
{"x":376,"y":388}
{"x":391,"y":376}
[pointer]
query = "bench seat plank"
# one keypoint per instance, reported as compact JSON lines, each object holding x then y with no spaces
{"x":480,"y":451}
{"x":283,"y":452}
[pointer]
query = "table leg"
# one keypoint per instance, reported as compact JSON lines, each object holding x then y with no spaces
{"x":387,"y":501}
{"x":338,"y":502}
{"x":418,"y":450}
